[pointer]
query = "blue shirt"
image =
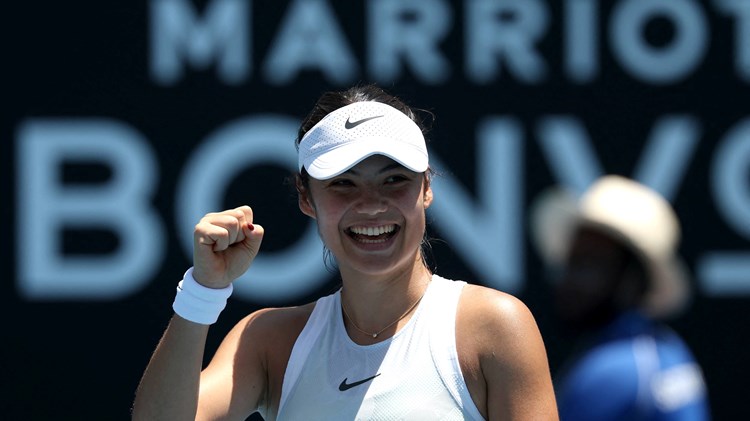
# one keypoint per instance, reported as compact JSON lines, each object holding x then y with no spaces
{"x":635,"y":370}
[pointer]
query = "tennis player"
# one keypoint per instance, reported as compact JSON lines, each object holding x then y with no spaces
{"x":396,"y":342}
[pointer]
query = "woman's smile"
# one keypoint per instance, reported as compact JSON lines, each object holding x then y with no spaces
{"x":373,"y":234}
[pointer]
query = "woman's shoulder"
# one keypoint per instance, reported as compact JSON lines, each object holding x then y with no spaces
{"x":277,"y":321}
{"x":492,"y":305}
{"x":501,"y":352}
{"x":498,"y":322}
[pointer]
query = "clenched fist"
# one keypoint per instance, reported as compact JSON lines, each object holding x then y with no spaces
{"x":224,"y":246}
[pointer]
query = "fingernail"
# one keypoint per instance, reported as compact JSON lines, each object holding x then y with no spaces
{"x":250,"y":226}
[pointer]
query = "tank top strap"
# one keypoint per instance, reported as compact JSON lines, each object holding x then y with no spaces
{"x":319,"y":317}
{"x":443,"y":311}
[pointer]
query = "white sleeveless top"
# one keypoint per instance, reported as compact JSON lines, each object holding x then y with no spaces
{"x":415,"y":375}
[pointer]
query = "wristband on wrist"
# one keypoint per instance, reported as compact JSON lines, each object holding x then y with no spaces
{"x":197,"y":303}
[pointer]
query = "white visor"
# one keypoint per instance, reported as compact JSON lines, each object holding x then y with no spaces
{"x":352,"y":133}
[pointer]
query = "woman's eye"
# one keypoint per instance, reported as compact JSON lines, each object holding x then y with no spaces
{"x":395,"y":179}
{"x":341,"y":183}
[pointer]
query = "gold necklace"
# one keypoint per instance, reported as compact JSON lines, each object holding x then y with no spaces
{"x":375,"y":335}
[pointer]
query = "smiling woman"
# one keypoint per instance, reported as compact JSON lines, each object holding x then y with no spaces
{"x":396,"y":341}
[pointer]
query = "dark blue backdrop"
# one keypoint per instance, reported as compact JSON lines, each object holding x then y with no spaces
{"x":111,"y":110}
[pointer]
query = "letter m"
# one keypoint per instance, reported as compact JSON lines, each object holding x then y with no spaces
{"x":220,"y":36}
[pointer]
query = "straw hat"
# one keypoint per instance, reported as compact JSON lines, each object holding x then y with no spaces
{"x":629,"y":212}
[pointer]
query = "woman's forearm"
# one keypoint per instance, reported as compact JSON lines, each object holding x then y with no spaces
{"x":169,"y":386}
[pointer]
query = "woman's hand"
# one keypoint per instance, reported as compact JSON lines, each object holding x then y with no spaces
{"x":224,"y":246}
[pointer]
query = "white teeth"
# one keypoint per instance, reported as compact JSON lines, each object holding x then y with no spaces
{"x":373,"y":231}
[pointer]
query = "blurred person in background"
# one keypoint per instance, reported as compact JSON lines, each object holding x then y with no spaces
{"x":618,"y":279}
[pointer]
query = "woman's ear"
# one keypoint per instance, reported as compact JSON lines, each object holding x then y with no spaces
{"x":427,"y":192}
{"x":303,"y":198}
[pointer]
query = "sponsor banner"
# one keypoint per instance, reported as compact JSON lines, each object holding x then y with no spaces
{"x":126,"y":123}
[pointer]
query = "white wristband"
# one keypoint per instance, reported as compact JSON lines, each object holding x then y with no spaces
{"x":198,"y":303}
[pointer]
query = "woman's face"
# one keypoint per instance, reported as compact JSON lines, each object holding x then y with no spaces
{"x":371,"y":217}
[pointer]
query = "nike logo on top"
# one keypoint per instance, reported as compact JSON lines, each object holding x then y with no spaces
{"x":346,"y":386}
{"x":353,"y":124}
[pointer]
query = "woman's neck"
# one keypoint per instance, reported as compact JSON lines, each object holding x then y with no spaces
{"x":376,"y":301}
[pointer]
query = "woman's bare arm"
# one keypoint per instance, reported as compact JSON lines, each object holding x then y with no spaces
{"x":169,"y":386}
{"x":511,"y":372}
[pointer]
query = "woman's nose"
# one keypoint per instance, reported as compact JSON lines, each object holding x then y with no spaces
{"x":371,"y":203}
